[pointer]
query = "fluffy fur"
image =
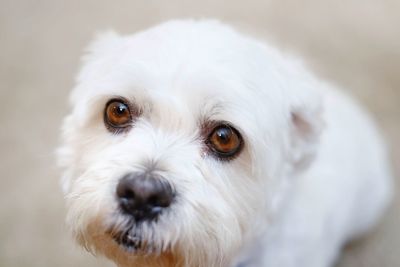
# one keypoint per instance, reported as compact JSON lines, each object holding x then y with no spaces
{"x":312,"y":174}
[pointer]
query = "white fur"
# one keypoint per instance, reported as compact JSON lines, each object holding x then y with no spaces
{"x":313,"y":172}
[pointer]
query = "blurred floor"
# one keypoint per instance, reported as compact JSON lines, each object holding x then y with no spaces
{"x":354,"y":44}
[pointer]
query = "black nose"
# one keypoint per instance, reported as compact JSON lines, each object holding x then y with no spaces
{"x":144,"y":196}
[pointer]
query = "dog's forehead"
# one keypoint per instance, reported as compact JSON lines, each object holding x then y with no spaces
{"x":191,"y":96}
{"x":193,"y":69}
{"x":185,"y":64}
{"x":178,"y":51}
{"x":176,"y":43}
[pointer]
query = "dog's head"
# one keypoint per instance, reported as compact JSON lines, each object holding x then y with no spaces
{"x":180,"y":142}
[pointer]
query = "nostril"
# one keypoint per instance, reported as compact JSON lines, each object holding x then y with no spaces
{"x":162,"y":200}
{"x":153,"y":200}
{"x":129,"y":194}
{"x":125,"y":190}
{"x":158,"y":200}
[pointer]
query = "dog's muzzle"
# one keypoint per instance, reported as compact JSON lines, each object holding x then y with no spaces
{"x":144,"y":196}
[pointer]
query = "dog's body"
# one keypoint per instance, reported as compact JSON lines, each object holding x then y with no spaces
{"x":308,"y":172}
{"x":338,"y":198}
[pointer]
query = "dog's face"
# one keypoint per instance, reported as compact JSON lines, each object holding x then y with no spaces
{"x":179,"y":144}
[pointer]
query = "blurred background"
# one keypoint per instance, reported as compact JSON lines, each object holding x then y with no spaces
{"x":354,"y":44}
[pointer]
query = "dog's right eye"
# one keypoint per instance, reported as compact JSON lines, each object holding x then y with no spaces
{"x":117,"y":115}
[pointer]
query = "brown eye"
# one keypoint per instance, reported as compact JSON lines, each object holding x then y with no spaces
{"x":117,"y":115}
{"x":225,"y":141}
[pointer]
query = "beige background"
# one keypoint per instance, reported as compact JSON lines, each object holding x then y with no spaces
{"x":353,"y":43}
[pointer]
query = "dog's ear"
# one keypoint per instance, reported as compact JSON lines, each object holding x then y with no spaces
{"x":103,"y":42}
{"x":94,"y":60}
{"x":305,"y":127}
{"x":97,"y":50}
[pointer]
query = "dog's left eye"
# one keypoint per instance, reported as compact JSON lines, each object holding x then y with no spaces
{"x":117,"y":115}
{"x":225,"y":141}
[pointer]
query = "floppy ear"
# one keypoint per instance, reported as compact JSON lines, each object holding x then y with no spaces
{"x":305,"y":127}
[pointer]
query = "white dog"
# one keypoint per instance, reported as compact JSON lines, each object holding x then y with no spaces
{"x":192,"y":145}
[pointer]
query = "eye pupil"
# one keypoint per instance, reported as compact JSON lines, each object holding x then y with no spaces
{"x":224,"y":135}
{"x":120,"y":109}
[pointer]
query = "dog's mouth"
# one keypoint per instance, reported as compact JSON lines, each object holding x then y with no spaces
{"x":140,"y":238}
{"x":131,"y":242}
